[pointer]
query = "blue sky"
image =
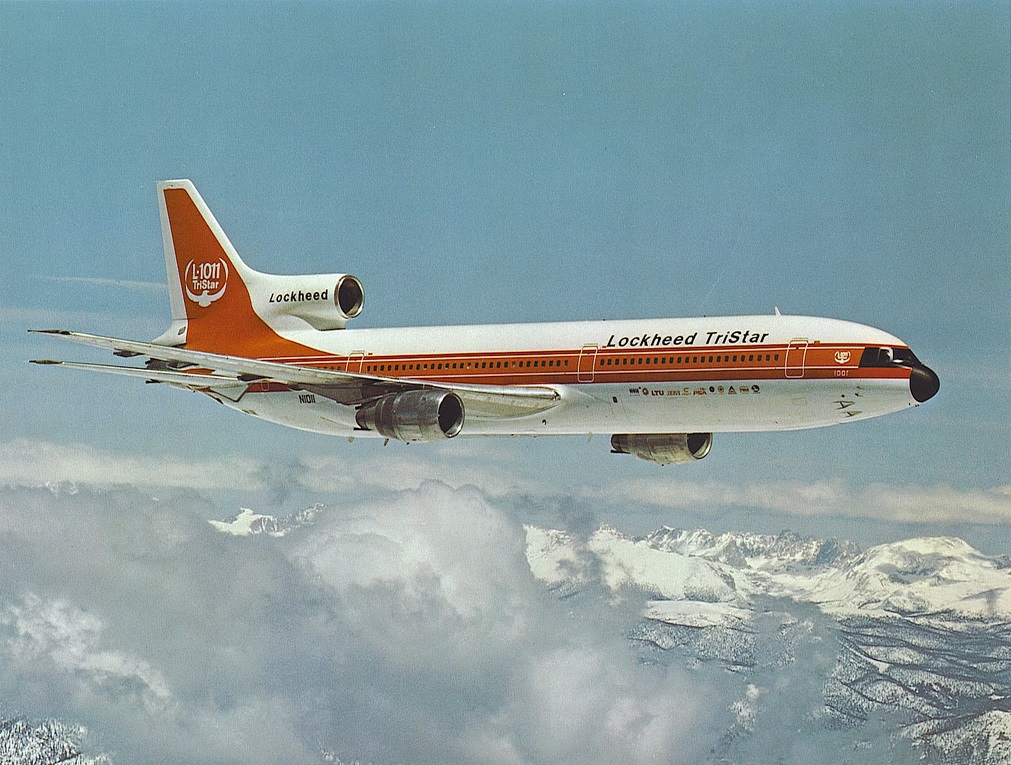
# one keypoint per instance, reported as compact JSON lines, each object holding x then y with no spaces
{"x":528,"y":161}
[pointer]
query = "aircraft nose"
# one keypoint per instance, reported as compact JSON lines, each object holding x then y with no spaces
{"x":923,"y":383}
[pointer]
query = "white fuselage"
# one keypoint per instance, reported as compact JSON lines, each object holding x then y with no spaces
{"x":747,"y":373}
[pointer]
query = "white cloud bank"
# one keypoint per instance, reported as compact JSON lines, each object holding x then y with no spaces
{"x":36,"y":463}
{"x":41,"y":463}
{"x":886,"y":502}
{"x":405,"y":629}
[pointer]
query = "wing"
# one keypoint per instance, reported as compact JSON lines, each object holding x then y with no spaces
{"x":199,"y":370}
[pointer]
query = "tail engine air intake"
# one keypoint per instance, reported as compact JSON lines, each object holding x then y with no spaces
{"x":416,"y":415}
{"x":663,"y":448}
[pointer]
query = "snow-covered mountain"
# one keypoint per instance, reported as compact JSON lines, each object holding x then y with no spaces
{"x":918,"y":632}
{"x":246,"y":522}
{"x":45,"y":743}
{"x":914,"y":577}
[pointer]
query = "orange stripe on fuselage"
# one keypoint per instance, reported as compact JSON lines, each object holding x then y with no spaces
{"x":627,"y":367}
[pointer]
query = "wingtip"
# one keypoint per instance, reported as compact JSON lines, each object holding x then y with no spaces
{"x":44,"y":361}
{"x":51,"y":331}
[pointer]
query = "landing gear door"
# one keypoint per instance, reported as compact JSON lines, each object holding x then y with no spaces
{"x":796,"y":356}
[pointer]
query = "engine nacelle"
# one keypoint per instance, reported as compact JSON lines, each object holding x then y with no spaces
{"x":324,"y":301}
{"x":415,"y":415}
{"x":663,"y":448}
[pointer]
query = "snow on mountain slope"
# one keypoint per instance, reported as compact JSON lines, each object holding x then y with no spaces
{"x":246,"y":522}
{"x":637,"y":563}
{"x":45,"y":743}
{"x":916,"y":632}
{"x":919,"y":576}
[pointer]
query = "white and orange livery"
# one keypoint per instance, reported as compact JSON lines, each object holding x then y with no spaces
{"x":276,"y":347}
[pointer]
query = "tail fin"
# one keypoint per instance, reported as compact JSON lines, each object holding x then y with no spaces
{"x":207,"y":279}
{"x":221,"y":305}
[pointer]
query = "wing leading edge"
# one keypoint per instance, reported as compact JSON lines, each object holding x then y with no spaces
{"x":199,"y":370}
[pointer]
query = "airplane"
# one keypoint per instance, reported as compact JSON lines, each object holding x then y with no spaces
{"x":277,"y":347}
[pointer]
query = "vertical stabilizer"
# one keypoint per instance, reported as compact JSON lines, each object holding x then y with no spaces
{"x":209,"y":285}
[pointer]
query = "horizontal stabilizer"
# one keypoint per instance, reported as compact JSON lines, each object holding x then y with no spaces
{"x":189,"y":379}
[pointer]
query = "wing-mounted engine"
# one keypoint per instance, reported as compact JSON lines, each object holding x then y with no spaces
{"x":663,"y":448}
{"x":415,"y":415}
{"x":323,"y":301}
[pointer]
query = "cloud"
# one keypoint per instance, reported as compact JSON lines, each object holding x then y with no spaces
{"x":836,"y":499}
{"x":57,"y":633}
{"x":403,"y":627}
{"x":129,"y":616}
{"x":25,"y":462}
{"x":36,"y":463}
{"x":576,"y":705}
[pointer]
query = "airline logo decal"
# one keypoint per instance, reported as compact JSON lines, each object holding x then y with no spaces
{"x":206,"y":282}
{"x":842,"y":357}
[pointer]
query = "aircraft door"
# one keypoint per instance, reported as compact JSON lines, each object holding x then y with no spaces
{"x":355,"y":360}
{"x":587,"y":360}
{"x":796,"y":356}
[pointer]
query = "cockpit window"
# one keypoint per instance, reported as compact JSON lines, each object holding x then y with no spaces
{"x":888,"y":357}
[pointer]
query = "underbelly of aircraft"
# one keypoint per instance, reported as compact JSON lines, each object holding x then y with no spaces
{"x":703,"y":406}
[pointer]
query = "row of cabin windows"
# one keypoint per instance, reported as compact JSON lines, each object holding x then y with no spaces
{"x":465,"y":365}
{"x":662,"y":360}
{"x":657,"y":360}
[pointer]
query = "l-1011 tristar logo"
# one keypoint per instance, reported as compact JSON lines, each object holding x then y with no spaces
{"x":843,"y":357}
{"x":206,"y":282}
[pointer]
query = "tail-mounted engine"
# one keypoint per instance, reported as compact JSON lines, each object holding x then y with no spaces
{"x":663,"y":448}
{"x":415,"y":415}
{"x":324,"y":301}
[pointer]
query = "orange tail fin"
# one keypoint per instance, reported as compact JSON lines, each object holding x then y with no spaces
{"x":221,"y":305}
